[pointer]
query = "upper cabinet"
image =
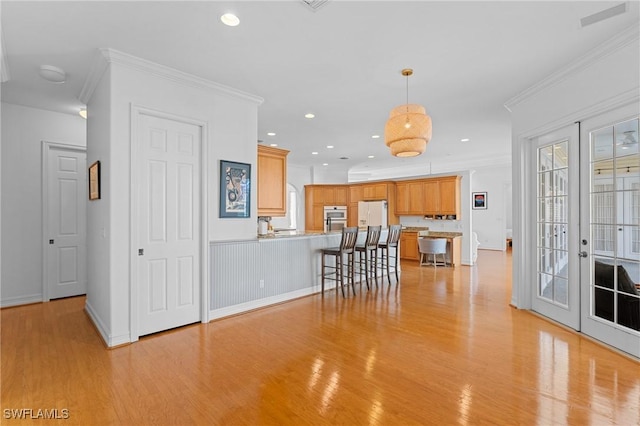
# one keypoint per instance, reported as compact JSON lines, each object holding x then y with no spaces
{"x":272,"y":181}
{"x":374,"y":191}
{"x":450,"y":196}
{"x":409,"y":198}
{"x":429,"y":197}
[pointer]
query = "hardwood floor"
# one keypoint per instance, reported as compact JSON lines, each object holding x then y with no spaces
{"x":443,"y":347}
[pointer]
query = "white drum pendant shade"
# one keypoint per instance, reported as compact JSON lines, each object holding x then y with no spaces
{"x":408,"y":130}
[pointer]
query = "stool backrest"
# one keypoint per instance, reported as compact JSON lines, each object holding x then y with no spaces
{"x":432,"y":245}
{"x":373,"y":237}
{"x":394,"y":235}
{"x":349,"y":238}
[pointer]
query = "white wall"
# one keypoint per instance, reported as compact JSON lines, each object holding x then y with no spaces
{"x":491,"y":224}
{"x":230,"y":120}
{"x":602,"y":80}
{"x":23,"y":131}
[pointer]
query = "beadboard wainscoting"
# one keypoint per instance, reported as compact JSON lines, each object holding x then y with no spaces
{"x":247,"y":275}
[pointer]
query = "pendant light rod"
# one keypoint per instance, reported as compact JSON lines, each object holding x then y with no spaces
{"x":407,"y":72}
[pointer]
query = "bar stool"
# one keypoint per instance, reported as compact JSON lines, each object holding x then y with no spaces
{"x":347,"y":245}
{"x":385,"y":251}
{"x":434,"y":247}
{"x":368,"y":254}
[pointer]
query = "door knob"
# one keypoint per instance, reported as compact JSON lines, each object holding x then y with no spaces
{"x":583,"y":254}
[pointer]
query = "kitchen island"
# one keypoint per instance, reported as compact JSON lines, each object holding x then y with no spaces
{"x":250,"y":274}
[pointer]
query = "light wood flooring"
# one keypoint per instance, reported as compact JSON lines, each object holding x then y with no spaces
{"x":444,"y":348}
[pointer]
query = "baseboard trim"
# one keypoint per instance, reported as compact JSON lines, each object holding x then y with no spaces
{"x":261,"y":303}
{"x":21,"y":300}
{"x":107,"y":338}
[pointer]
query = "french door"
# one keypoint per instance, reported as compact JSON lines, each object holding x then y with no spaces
{"x":610,"y":222}
{"x":587,"y":245}
{"x":557,"y":287}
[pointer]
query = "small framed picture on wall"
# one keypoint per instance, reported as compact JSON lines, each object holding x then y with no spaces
{"x":479,"y":200}
{"x":94,"y":181}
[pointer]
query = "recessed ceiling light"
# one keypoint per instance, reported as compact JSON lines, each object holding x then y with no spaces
{"x":371,"y":156}
{"x":53,"y":74}
{"x":273,"y":144}
{"x":314,"y":153}
{"x":230,"y":19}
{"x":83,"y":113}
{"x":464,"y":140}
{"x":271,"y":134}
{"x":330,"y":146}
{"x":309,"y":115}
{"x":375,"y":137}
{"x":325,"y":164}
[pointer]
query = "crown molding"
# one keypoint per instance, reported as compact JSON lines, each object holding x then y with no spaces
{"x":4,"y":66}
{"x":622,"y":39}
{"x":98,"y":67}
{"x":107,"y":57}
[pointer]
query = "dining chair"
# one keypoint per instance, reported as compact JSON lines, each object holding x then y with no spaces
{"x":433,"y":247}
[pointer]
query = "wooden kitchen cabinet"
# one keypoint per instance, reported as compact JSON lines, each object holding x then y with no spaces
{"x":272,"y":181}
{"x":355,"y":195}
{"x":428,"y":197}
{"x":374,"y":191}
{"x":409,"y":198}
{"x":431,"y":194}
{"x":409,"y":246}
{"x":341,"y":195}
{"x":316,"y":197}
{"x":450,"y":196}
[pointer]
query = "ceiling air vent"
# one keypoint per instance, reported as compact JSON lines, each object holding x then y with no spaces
{"x":314,"y":4}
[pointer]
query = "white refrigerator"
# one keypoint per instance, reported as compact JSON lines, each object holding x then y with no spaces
{"x":372,"y":213}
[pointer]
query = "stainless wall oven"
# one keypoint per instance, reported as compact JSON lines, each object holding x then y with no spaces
{"x":335,"y":218}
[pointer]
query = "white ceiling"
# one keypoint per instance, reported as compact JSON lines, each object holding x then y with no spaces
{"x":341,"y":62}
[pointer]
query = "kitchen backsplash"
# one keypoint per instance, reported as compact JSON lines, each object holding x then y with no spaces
{"x":435,"y":225}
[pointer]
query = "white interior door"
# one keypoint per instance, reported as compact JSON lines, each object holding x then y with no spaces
{"x":557,"y":290}
{"x":65,"y":218}
{"x":168,"y":224}
{"x":610,"y":226}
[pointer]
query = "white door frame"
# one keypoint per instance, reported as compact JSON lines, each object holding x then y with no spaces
{"x":47,"y":147}
{"x":136,"y":112}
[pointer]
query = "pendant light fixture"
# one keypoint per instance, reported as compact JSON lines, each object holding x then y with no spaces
{"x":408,"y":129}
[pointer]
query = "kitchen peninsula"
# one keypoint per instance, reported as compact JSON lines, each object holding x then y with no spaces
{"x":250,"y":274}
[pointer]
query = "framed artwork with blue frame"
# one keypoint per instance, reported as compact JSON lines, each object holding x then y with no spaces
{"x":235,"y":189}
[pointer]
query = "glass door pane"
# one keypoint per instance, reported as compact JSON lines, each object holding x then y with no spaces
{"x":611,"y":301}
{"x":557,"y":276}
{"x":552,"y":222}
